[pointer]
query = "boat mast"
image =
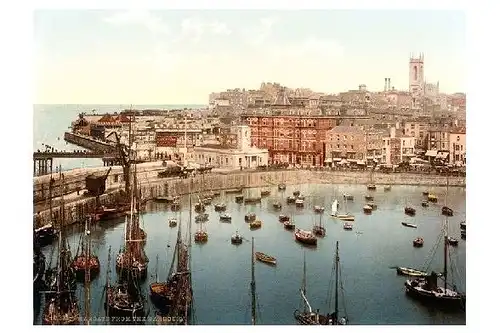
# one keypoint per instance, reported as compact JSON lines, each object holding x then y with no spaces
{"x":252,"y":284}
{"x":336,"y":281}
{"x":50,"y":197}
{"x":445,"y":270}
{"x":87,"y":274}
{"x":108,"y":271}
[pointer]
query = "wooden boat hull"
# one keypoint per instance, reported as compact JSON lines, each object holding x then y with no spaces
{"x":52,"y":315}
{"x":45,"y":236}
{"x":449,"y":301}
{"x":367,"y":210}
{"x":409,"y":211}
{"x":418,"y":243}
{"x":265,"y":193}
{"x":296,"y":193}
{"x":250,"y":201}
{"x":411,"y":272}
{"x":226,"y":219}
{"x":289,"y":226}
{"x":265,"y":258}
{"x":409,"y":225}
{"x":447,"y":211}
{"x":219,"y":208}
{"x":277,"y":206}
{"x":79,"y":265}
{"x":121,"y":310}
{"x":239,"y":198}
{"x":425,"y":204}
{"x":281,"y":187}
{"x":250,"y":218}
{"x":319,"y":231}
{"x":236,"y":240}
{"x":345,"y":217}
{"x":159,"y":295}
{"x":283,"y":218}
{"x":305,"y":240}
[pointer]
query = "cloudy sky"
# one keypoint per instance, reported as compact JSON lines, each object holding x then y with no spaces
{"x":179,"y":57}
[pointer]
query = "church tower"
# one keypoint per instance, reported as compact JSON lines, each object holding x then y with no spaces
{"x":416,"y":82}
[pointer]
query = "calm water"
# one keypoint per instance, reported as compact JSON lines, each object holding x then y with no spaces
{"x":51,"y":121}
{"x":374,"y":294}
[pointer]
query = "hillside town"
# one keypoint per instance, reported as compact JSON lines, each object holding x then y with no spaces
{"x":417,"y":126}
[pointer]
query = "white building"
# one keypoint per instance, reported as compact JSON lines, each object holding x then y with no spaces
{"x":244,"y":156}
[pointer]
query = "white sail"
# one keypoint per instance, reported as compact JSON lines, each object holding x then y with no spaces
{"x":335,"y":206}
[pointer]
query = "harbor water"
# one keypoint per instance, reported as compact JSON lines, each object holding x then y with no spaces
{"x":372,"y":292}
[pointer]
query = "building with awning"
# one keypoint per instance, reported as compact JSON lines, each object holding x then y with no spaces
{"x":431,"y":153}
{"x":442,"y":155}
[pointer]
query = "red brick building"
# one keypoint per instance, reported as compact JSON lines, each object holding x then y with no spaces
{"x":293,"y":138}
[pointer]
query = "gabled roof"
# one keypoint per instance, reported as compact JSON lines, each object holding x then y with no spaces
{"x":107,"y":118}
{"x":123,"y":118}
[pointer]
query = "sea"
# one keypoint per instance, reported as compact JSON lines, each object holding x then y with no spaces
{"x":371,"y":293}
{"x":50,"y":121}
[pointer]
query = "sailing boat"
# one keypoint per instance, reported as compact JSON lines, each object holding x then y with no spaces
{"x":201,"y":235}
{"x":427,"y":289}
{"x":308,"y":316}
{"x":346,"y":216}
{"x":46,"y":234}
{"x":335,"y":207}
{"x":85,"y":260}
{"x":166,"y":295}
{"x":133,"y":258}
{"x":61,"y":307}
{"x":319,"y":230}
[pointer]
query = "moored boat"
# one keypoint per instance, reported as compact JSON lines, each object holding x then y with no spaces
{"x":367,"y":209}
{"x":432,"y":198}
{"x":347,"y":226}
{"x":410,"y":225}
{"x":283,"y":218}
{"x":225,"y":217}
{"x":267,"y":259}
{"x":252,"y":200}
{"x":219,"y":207}
{"x":290,"y":200}
{"x":249,"y":217}
{"x":452,"y":241}
{"x":348,"y":196}
{"x":239,"y":198}
{"x":372,"y":205}
{"x":265,"y":193}
{"x":236,"y":238}
{"x":425,"y":203}
{"x":371,"y":187}
{"x":418,"y":242}
{"x":319,"y":209}
{"x":296,"y":193}
{"x":45,"y":235}
{"x":305,"y":237}
{"x":447,"y":211}
{"x":255,"y":224}
{"x":411,"y":272}
{"x":281,"y":187}
{"x":409,"y":211}
{"x":289,"y":225}
{"x":369,"y":197}
{"x":462,"y":225}
{"x":425,"y":193}
{"x":277,"y":205}
{"x":345,"y":217}
{"x":199,"y":207}
{"x":387,"y":188}
{"x":172,"y":222}
{"x":201,"y":217}
{"x":201,"y":236}
{"x":299,"y":203}
{"x":462,"y":234}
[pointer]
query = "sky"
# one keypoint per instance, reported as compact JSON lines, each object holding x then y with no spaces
{"x":181,"y":56}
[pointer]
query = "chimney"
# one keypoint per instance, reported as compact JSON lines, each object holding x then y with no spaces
{"x":385,"y":84}
{"x":389,"y":84}
{"x":393,"y":132}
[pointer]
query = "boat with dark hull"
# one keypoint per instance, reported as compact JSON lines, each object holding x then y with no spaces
{"x":427,"y":290}
{"x":236,"y":239}
{"x":124,"y":304}
{"x":45,"y":235}
{"x":265,"y":193}
{"x":409,"y":225}
{"x":319,"y":230}
{"x":38,"y":270}
{"x":219,"y":207}
{"x":225,"y":217}
{"x":61,"y":306}
{"x":277,"y":205}
{"x":283,"y":218}
{"x":319,"y":209}
{"x":410,"y":211}
{"x":239,"y":198}
{"x":281,"y":187}
{"x":309,"y":317}
{"x":249,"y":217}
{"x":289,"y":225}
{"x":290,"y":200}
{"x":447,"y":211}
{"x":418,"y":242}
{"x":425,"y":203}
